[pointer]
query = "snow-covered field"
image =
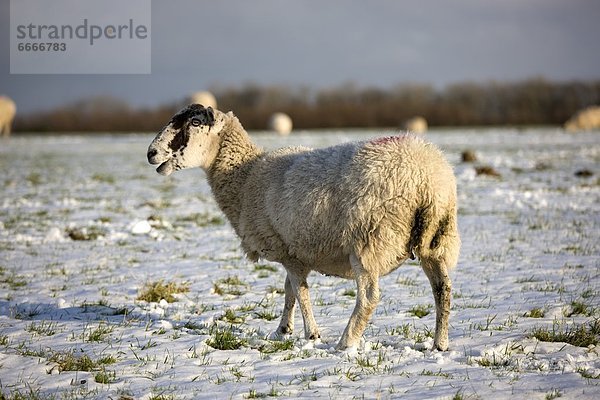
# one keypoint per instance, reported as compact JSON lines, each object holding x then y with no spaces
{"x":86,"y":225}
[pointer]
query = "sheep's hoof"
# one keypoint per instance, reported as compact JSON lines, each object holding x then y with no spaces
{"x":285,"y":330}
{"x":440,"y":346}
{"x":346,"y":347}
{"x":348,"y":344}
{"x":315,"y":336}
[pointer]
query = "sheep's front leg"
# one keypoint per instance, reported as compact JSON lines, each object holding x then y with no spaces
{"x":286,"y":325}
{"x":442,"y":287}
{"x":366,"y":301}
{"x":300,"y":288}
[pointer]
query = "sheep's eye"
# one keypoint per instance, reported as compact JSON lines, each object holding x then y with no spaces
{"x":195,"y":122}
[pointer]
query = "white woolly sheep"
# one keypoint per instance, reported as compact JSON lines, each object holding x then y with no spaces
{"x":356,"y":210}
{"x":280,"y":123}
{"x":207,"y":99}
{"x":584,"y":120}
{"x":415,"y":125}
{"x":8,"y":109}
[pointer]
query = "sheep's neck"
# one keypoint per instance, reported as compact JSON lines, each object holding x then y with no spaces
{"x":230,"y":169}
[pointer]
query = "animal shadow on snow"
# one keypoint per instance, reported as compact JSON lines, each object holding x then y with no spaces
{"x":52,"y":312}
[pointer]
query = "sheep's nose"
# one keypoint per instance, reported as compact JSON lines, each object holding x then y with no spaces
{"x":151,"y":154}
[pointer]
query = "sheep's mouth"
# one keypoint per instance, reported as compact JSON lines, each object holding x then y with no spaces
{"x":166,"y":165}
{"x":166,"y":168}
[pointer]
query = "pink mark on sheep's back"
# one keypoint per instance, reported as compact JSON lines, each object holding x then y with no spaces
{"x":389,"y":139}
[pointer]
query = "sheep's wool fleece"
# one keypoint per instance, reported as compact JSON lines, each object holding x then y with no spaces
{"x":315,"y":207}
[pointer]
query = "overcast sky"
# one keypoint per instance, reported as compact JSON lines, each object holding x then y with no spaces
{"x":321,"y":43}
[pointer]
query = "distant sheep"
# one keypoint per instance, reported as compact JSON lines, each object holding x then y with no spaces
{"x":584,"y":120}
{"x":415,"y":125}
{"x":8,"y":109}
{"x":207,"y":99}
{"x":356,"y":210}
{"x":280,"y":123}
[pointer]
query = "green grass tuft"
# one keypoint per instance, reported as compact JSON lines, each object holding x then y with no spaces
{"x":277,"y":346}
{"x":157,"y":291}
{"x":224,"y":339}
{"x":420,"y":311}
{"x":231,"y":317}
{"x":71,"y":362}
{"x":535,"y":313}
{"x":577,"y":335}
{"x":105,"y":377}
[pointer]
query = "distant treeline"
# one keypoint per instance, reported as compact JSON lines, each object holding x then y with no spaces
{"x":530,"y":102}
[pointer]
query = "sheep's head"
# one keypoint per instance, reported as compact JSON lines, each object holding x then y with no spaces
{"x":190,"y":139}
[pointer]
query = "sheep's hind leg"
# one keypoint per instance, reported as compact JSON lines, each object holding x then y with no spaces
{"x":286,"y":326}
{"x":366,"y":301}
{"x":300,"y":288}
{"x":441,"y":286}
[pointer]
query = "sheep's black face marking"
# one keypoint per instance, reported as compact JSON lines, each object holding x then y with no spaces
{"x":205,"y":116}
{"x":180,"y":140}
{"x":194,"y":115}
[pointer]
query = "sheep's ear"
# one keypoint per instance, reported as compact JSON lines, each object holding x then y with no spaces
{"x":210,"y":115}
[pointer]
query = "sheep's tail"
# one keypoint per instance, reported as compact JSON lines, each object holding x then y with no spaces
{"x":434,"y":235}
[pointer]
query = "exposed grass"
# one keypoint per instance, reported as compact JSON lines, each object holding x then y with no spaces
{"x":162,"y":396}
{"x":554,"y":394}
{"x":277,"y":346}
{"x":70,"y":362}
{"x":201,"y":219}
{"x":43,"y":328}
{"x":266,"y":315}
{"x":402,"y":330}
{"x":493,"y":361}
{"x":581,"y":335}
{"x":231,"y":285}
{"x":231,"y":317}
{"x":275,"y":289}
{"x":34,"y":178}
{"x":103,"y":178}
{"x":29,"y":394}
{"x":157,"y":291}
{"x":224,"y":339}
{"x":420,"y":311}
{"x":265,"y":267}
{"x":253,"y":394}
{"x":99,"y":333}
{"x":579,"y":308}
{"x":585,"y":373}
{"x":107,"y":360}
{"x":105,"y":377}
{"x":13,"y":280}
{"x":487,"y":170}
{"x":529,"y":279}
{"x":458,"y":395}
{"x":86,"y":233}
{"x":535,"y":313}
{"x":195,"y":326}
{"x":433,"y":373}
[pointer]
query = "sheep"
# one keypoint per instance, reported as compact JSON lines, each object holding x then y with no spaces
{"x":280,"y":123}
{"x":356,"y":210}
{"x":584,"y":120}
{"x":415,"y":125}
{"x":207,"y":99}
{"x":7,"y":114}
